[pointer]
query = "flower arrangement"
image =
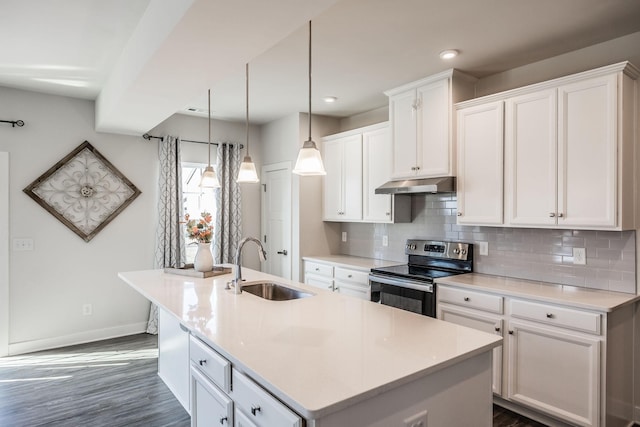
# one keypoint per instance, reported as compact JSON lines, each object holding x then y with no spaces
{"x":201,"y":229}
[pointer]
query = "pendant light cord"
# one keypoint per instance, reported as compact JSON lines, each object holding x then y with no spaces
{"x":209,"y":125}
{"x":247,"y":104}
{"x":309,"y":80}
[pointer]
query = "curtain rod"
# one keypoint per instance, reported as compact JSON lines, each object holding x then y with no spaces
{"x":14,"y":123}
{"x":149,"y":137}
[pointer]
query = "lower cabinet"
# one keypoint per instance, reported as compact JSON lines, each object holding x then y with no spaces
{"x":173,"y":356}
{"x":209,"y":405}
{"x":330,"y":276}
{"x":557,"y":361}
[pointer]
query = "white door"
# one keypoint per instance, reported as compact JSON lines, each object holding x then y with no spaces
{"x":352,"y":176}
{"x":376,"y":163}
{"x":433,"y":148}
{"x":276,"y":219}
{"x":333,"y":197}
{"x":4,"y":254}
{"x":530,"y":159}
{"x":480,"y":164}
{"x":587,"y":141}
{"x":403,"y":119}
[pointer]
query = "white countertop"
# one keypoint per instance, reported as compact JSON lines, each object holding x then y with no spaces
{"x":354,"y":262}
{"x":559,"y":294}
{"x":318,"y":354}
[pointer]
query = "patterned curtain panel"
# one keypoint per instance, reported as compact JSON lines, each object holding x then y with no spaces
{"x":228,"y":228}
{"x":170,"y":239}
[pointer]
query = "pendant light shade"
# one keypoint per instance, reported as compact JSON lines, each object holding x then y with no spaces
{"x":209,"y":178}
{"x":309,"y":159}
{"x":247,"y":173}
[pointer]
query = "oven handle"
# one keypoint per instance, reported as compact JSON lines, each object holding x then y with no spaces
{"x":402,"y":283}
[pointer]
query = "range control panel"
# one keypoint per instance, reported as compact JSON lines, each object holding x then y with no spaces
{"x":439,"y":249}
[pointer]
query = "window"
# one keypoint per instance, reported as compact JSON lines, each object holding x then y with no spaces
{"x":195,"y":199}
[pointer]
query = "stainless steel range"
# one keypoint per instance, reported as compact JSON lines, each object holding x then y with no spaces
{"x":411,"y":286}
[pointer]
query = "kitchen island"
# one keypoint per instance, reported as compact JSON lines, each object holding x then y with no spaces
{"x":332,"y":359}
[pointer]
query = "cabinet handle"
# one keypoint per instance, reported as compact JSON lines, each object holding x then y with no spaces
{"x":467,"y":299}
{"x":459,"y":213}
{"x":552,"y":214}
{"x":282,"y":252}
{"x":349,"y":276}
{"x":510,"y":332}
{"x":560,"y":215}
{"x":254,"y":409}
{"x":497,"y":329}
{"x":317,"y":268}
{"x":388,"y":213}
{"x":549,"y":315}
{"x":202,"y":362}
{"x":223,"y":420}
{"x":417,"y":168}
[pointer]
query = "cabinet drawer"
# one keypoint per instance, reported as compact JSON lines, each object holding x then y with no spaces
{"x":317,"y":268}
{"x":214,"y":366}
{"x":471,"y":299}
{"x":559,"y":316}
{"x":259,"y":406}
{"x":348,"y":275}
{"x":208,"y":404}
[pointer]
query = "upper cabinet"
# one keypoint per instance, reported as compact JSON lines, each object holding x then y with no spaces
{"x":422,"y":125}
{"x":357,"y":162}
{"x":569,"y":158}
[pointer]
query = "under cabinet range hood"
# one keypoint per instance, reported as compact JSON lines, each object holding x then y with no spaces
{"x":445,"y":184}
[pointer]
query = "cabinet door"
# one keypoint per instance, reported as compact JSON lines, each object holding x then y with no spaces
{"x":480,"y":164}
{"x":481,"y":322}
{"x":530,"y":159}
{"x":433,"y":144}
{"x":354,"y":290}
{"x":333,"y":191}
{"x":376,"y":162}
{"x":208,"y":405}
{"x":555,"y":372}
{"x":318,"y":281}
{"x":173,"y":356}
{"x":241,"y":420}
{"x":352,"y":178}
{"x":587,"y":140}
{"x":403,"y":119}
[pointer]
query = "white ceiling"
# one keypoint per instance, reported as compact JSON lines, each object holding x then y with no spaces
{"x":143,"y":60}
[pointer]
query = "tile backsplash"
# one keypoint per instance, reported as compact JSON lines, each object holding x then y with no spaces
{"x":537,"y":254}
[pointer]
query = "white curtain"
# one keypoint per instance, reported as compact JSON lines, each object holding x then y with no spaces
{"x":228,"y":227}
{"x":170,"y":239}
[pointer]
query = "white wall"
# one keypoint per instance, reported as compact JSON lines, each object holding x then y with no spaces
{"x":367,"y":118}
{"x":4,"y":253}
{"x":49,"y":285}
{"x":195,"y":129}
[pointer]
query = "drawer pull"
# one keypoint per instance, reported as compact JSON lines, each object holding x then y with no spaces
{"x":350,"y":276}
{"x":497,"y":329}
{"x":254,"y":409}
{"x":223,"y":420}
{"x":467,"y":299}
{"x":510,"y":332}
{"x":317,"y":268}
{"x":550,"y":316}
{"x":202,"y":362}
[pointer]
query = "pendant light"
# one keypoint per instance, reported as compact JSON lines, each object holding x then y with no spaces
{"x":309,"y":159}
{"x":209,"y":178}
{"x":247,"y":173}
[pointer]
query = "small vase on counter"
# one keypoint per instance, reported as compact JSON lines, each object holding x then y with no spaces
{"x":203,"y":260}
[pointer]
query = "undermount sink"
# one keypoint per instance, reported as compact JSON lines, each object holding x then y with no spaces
{"x":274,"y":291}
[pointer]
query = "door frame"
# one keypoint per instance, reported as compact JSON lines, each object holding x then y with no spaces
{"x":4,"y":254}
{"x":263,"y":211}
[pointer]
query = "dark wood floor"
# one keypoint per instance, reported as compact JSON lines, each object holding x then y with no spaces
{"x":108,"y":383}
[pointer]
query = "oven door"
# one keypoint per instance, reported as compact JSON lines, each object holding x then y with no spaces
{"x":405,"y":294}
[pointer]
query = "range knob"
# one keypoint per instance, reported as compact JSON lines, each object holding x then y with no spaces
{"x":463,"y":251}
{"x":456,"y":251}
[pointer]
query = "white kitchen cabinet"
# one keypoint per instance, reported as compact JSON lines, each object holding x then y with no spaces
{"x":557,"y":362}
{"x":422,"y":126}
{"x":554,"y":371}
{"x":318,"y":275}
{"x":209,"y":405}
{"x":569,"y":153}
{"x":173,"y":356}
{"x":376,"y":170}
{"x":343,"y":182}
{"x":331,"y":276}
{"x":480,"y":164}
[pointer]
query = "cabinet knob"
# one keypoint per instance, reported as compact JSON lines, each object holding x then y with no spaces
{"x":202,"y":362}
{"x":560,"y":215}
{"x":317,"y":268}
{"x":350,"y":276}
{"x":388,"y":213}
{"x":497,"y":329}
{"x":223,"y":420}
{"x":467,"y":299}
{"x":510,"y":332}
{"x":549,"y":315}
{"x":552,"y":214}
{"x":330,"y":287}
{"x":417,"y":168}
{"x":459,"y":213}
{"x":254,"y":409}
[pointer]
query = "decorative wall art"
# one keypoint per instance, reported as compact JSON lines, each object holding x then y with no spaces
{"x":84,"y":191}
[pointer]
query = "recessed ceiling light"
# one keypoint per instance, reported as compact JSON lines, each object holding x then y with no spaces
{"x":329,"y":99}
{"x":448,"y":54}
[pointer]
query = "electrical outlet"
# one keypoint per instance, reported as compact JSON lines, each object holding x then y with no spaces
{"x":579,"y":256}
{"x":344,"y":236}
{"x":483,"y":248}
{"x":418,"y":420}
{"x":385,"y":240}
{"x":87,"y":310}
{"x":21,"y":245}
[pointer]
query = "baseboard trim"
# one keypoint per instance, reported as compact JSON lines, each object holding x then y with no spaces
{"x":77,"y":338}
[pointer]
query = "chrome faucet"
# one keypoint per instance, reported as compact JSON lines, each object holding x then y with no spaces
{"x":261,"y":253}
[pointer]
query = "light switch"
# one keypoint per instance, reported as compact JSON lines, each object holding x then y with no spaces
{"x":344,"y":236}
{"x":579,"y":256}
{"x":385,"y":240}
